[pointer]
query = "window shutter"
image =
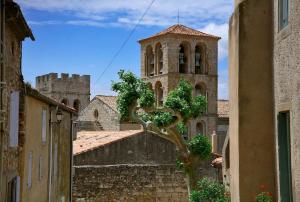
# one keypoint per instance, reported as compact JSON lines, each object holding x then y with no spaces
{"x":29,"y":170}
{"x":55,"y":160}
{"x":40,"y":168}
{"x":44,"y":126}
{"x":285,"y":13}
{"x":14,"y":119}
{"x":17,"y":188}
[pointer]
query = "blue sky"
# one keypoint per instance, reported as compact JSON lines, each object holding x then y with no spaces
{"x":76,"y":36}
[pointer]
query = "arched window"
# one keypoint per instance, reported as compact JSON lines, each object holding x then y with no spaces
{"x":200,"y":54}
{"x":159,"y":94}
{"x":150,"y":86}
{"x":76,"y":104}
{"x":184,"y":58}
{"x":96,"y":113}
{"x":65,"y":101}
{"x":150,"y":61}
{"x":159,"y":58}
{"x":201,"y":128}
{"x":200,"y":89}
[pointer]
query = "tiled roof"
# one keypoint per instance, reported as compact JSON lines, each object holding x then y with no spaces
{"x":111,"y":101}
{"x":89,"y":140}
{"x":223,"y":108}
{"x":182,"y":30}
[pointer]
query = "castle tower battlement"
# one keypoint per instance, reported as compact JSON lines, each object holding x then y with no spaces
{"x":71,"y":90}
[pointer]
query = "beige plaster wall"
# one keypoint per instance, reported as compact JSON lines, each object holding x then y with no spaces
{"x":251,"y":127}
{"x":33,"y":143}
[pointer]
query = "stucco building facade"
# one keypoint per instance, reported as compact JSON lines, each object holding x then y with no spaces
{"x":73,"y":91}
{"x":46,"y":158}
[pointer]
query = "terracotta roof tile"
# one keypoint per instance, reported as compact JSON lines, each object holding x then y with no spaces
{"x":89,"y":140}
{"x":111,"y":101}
{"x":223,"y":108}
{"x":183,"y":30}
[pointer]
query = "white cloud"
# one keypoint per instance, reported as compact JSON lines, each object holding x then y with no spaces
{"x":162,"y":13}
{"x":222,"y":31}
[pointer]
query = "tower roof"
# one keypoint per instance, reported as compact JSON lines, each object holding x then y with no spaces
{"x":179,"y":29}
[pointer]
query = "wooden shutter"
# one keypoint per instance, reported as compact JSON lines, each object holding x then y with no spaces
{"x":40,"y":168}
{"x":29,"y":177}
{"x":17,"y":188}
{"x":14,"y":119}
{"x":284,"y":147}
{"x":44,"y":125}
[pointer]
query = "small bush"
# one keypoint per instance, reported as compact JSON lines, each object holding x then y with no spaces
{"x":264,"y":197}
{"x":200,"y":146}
{"x":209,"y":191}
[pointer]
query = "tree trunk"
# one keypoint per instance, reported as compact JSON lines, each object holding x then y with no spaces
{"x":192,"y":178}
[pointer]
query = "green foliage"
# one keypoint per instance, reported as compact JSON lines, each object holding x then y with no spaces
{"x":182,"y":129}
{"x":130,"y":90}
{"x":163,"y":119}
{"x":181,"y":100}
{"x":264,"y":197}
{"x":179,"y":165}
{"x":200,"y":146}
{"x":209,"y":191}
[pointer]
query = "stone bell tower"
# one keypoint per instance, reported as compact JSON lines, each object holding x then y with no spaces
{"x":182,"y":52}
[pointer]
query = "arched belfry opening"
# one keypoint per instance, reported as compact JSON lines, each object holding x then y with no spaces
{"x":159,"y":58}
{"x":184,"y":58}
{"x":65,"y":101}
{"x":159,"y":94}
{"x":200,"y":89}
{"x":76,"y":104}
{"x":201,"y":128}
{"x":200,"y":54}
{"x":150,"y":61}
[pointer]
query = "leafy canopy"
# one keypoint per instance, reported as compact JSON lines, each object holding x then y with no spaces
{"x":179,"y":107}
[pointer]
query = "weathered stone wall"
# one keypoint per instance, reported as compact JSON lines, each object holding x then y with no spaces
{"x":13,"y":79}
{"x":287,"y":84}
{"x":139,"y":149}
{"x":129,"y":183}
{"x":170,"y":75}
{"x":70,"y":88}
{"x":107,"y":118}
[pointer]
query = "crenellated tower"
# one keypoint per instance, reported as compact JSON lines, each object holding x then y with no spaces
{"x":73,"y":91}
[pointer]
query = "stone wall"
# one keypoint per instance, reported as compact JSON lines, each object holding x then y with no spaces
{"x":70,"y":88}
{"x":138,"y":149}
{"x":129,"y":183}
{"x":287,"y":86}
{"x":106,"y":119}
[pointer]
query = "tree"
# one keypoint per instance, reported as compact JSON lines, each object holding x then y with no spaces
{"x":136,"y":102}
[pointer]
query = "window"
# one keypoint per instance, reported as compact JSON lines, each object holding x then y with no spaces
{"x":200,"y":128}
{"x":29,"y":176}
{"x":40,"y":168}
{"x":150,"y":61}
{"x":55,"y":160}
{"x":76,"y":104}
{"x":14,"y":119}
{"x":283,"y":13}
{"x":159,"y":58}
{"x":13,"y":190}
{"x":96,"y":113}
{"x":159,"y":94}
{"x":65,"y":101}
{"x":44,"y":126}
{"x":284,"y":152}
